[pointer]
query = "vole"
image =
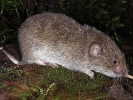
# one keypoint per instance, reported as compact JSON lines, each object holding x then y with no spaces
{"x":55,"y":39}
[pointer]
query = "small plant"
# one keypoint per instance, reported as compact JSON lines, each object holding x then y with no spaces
{"x":48,"y":92}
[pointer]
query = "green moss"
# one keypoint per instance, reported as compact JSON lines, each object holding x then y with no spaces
{"x":58,"y":83}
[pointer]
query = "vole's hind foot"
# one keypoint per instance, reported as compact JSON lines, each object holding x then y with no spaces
{"x":90,"y":73}
{"x":40,"y":62}
{"x":54,"y":65}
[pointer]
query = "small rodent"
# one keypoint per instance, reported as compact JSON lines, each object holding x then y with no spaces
{"x":56,"y":39}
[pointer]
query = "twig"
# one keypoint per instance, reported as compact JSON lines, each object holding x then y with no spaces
{"x":129,"y":76}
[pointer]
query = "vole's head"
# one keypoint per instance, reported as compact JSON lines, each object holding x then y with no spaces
{"x":106,"y":57}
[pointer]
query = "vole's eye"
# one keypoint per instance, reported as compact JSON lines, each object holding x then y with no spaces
{"x":114,"y":61}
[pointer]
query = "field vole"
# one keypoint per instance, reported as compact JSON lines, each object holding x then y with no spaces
{"x":56,"y":39}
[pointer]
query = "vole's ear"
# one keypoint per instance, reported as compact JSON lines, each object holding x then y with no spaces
{"x":96,"y":50}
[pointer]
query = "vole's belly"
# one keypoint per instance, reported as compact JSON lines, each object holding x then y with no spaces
{"x":49,"y":53}
{"x":45,"y":54}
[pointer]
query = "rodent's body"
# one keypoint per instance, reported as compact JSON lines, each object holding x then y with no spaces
{"x":52,"y":39}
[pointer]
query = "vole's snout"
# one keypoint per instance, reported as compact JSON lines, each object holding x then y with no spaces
{"x":120,"y":70}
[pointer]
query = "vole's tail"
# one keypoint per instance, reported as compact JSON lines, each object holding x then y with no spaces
{"x":14,"y":60}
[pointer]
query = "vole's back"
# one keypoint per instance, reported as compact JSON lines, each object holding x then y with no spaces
{"x":52,"y":38}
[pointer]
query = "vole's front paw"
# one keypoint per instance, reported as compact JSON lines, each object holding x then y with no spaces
{"x":90,"y":73}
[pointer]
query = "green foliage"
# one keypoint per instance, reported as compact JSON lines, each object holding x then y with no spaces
{"x":10,"y":74}
{"x":53,"y":84}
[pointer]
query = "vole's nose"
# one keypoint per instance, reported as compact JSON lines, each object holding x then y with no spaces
{"x":120,"y":70}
